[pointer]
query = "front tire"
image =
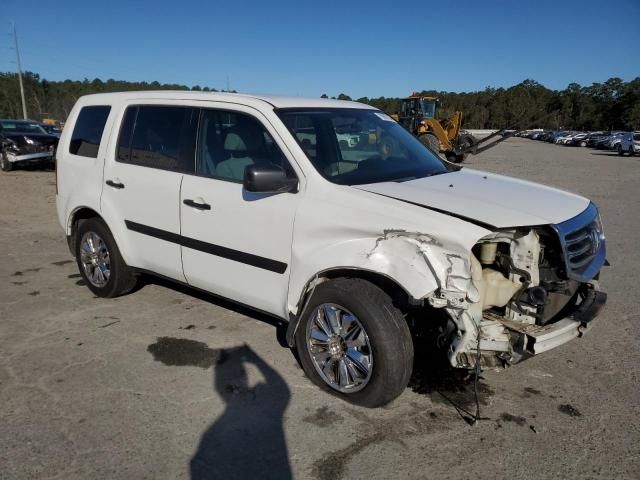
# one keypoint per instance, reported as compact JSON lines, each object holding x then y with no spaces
{"x":354,"y":343}
{"x":100,"y":262}
{"x":5,"y":164}
{"x":430,"y":141}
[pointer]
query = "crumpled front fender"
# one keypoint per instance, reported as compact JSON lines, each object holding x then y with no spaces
{"x":420,"y":263}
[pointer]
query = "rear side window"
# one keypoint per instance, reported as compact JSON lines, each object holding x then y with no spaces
{"x":85,"y":139}
{"x":159,"y":137}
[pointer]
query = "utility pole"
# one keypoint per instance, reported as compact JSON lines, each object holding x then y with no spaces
{"x":24,"y":104}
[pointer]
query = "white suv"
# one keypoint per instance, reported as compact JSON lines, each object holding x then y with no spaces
{"x":330,"y":215}
{"x":629,"y":143}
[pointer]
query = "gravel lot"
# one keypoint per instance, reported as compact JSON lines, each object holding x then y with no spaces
{"x":87,"y":389}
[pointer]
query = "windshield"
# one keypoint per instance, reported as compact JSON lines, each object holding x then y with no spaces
{"x":357,"y":146}
{"x":20,"y":127}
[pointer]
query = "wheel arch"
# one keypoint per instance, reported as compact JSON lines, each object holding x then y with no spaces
{"x":399,"y":295}
{"x":78,"y":214}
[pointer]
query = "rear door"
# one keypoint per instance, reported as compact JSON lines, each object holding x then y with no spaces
{"x":237,"y":243}
{"x":141,"y":195}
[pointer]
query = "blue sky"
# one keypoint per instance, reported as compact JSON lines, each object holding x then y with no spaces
{"x":370,"y":48}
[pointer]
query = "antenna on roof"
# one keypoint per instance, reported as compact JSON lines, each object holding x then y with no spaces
{"x":228,"y":89}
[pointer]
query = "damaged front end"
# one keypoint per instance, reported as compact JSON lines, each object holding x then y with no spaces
{"x":28,"y":148}
{"x":523,"y":291}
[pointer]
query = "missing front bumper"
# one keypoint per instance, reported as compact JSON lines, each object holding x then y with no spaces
{"x":537,"y":339}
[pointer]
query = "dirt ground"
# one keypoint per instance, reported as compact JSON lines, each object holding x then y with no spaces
{"x":170,"y":383}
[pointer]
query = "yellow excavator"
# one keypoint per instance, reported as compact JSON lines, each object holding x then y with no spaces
{"x":419,"y":115}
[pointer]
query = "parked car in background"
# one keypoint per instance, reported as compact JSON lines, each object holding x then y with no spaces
{"x":629,"y":144}
{"x":594,"y":137}
{"x":551,"y":138}
{"x":545,"y":136}
{"x":536,"y":135}
{"x":24,"y":141}
{"x":617,"y":139}
{"x":562,"y":139}
{"x":602,"y":143}
{"x":579,"y":139}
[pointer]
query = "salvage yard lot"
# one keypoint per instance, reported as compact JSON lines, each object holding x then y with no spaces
{"x":138,"y":386}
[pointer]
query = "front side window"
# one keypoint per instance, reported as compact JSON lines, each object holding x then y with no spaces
{"x":231,"y":141}
{"x":161,"y":137}
{"x":357,"y":146}
{"x":87,"y":132}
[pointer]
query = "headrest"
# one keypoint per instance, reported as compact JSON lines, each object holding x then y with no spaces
{"x":234,"y":143}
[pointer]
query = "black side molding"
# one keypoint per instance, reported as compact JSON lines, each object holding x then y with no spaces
{"x":210,"y":248}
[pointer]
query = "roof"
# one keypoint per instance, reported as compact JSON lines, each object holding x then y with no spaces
{"x":247,"y":99}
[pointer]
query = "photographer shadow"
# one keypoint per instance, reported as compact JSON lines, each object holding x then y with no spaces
{"x":247,"y":440}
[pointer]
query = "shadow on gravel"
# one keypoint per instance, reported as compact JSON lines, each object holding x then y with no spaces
{"x":434,"y":377}
{"x":280,"y":326}
{"x":247,"y":440}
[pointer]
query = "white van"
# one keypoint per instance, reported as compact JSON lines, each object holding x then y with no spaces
{"x":330,"y":215}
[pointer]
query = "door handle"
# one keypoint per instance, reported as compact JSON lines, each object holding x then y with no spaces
{"x":113,"y":184}
{"x":193,"y":204}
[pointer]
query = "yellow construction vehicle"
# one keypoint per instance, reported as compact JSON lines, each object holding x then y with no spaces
{"x":419,"y":115}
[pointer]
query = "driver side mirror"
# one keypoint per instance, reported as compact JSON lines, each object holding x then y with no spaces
{"x":268,"y":179}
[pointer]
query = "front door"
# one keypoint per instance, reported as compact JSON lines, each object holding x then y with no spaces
{"x":236,"y":243}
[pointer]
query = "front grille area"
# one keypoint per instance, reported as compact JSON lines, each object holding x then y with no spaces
{"x":580,"y":246}
{"x":583,"y":245}
{"x":27,"y":148}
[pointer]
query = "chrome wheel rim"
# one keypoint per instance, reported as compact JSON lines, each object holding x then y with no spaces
{"x":339,"y":348}
{"x":95,"y":259}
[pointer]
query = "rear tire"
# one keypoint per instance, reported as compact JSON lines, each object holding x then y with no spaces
{"x":5,"y":164}
{"x":620,"y":151}
{"x":100,"y":262}
{"x":386,"y":345}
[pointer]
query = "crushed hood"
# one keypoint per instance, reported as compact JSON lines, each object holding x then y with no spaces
{"x":20,"y":138}
{"x":487,"y":198}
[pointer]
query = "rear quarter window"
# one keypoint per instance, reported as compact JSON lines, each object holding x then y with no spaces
{"x":88,"y":130}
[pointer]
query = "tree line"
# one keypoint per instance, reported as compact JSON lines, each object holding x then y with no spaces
{"x":54,"y":99}
{"x":612,"y":105}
